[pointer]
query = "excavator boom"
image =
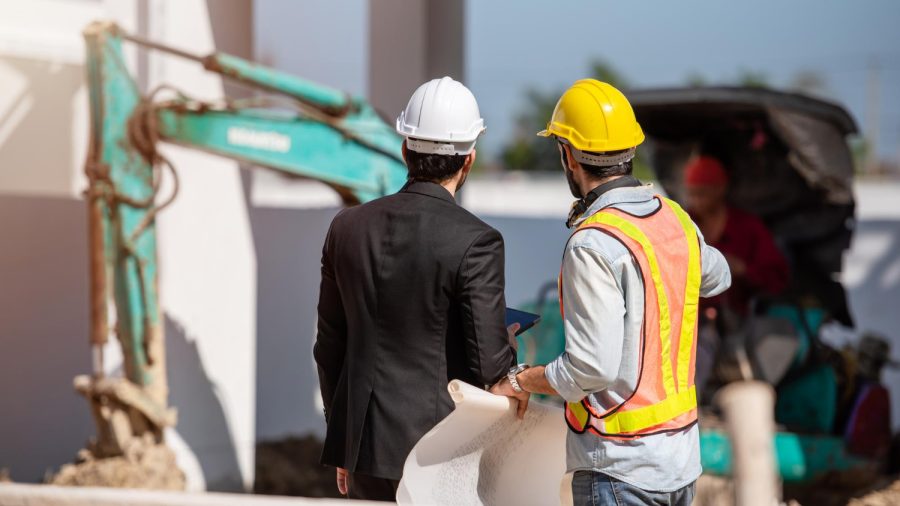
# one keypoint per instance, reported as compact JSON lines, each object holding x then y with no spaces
{"x":298,"y":128}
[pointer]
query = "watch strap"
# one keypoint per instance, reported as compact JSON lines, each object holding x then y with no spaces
{"x":511,"y":376}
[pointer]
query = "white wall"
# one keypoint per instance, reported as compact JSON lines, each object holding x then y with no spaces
{"x":872,"y":273}
{"x":207,"y":261}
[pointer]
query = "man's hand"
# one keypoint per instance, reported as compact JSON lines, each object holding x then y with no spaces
{"x":503,"y":387}
{"x":342,"y":479}
{"x":511,"y":333}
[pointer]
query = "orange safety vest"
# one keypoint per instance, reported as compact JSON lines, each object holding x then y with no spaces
{"x":666,"y":248}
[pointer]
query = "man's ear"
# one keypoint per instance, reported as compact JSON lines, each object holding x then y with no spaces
{"x":403,"y":149}
{"x":470,"y":161}
{"x":571,"y":162}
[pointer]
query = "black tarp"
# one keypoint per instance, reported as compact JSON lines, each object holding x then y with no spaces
{"x":788,"y":162}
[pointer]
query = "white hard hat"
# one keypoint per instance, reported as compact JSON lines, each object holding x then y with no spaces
{"x":441,"y":117}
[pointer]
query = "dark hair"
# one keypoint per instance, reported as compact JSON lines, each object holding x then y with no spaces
{"x":432,"y":167}
{"x":599,"y":172}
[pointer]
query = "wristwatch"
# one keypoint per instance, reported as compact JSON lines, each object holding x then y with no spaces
{"x":511,"y":376}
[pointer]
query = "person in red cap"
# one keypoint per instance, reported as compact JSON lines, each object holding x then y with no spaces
{"x":757,"y":265}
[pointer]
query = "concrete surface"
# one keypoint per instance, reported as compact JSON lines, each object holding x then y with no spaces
{"x":46,"y":495}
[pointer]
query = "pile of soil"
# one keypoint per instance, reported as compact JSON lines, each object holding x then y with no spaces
{"x":146,"y":465}
{"x":291,"y":467}
{"x":886,"y":495}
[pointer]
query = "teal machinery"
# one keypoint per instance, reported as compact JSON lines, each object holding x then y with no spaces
{"x":296,"y":127}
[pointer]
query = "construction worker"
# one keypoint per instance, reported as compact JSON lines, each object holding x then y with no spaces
{"x":412,"y":296}
{"x":757,"y":265}
{"x":631,"y":275}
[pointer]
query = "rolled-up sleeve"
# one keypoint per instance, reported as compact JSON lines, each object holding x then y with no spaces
{"x":594,"y":322}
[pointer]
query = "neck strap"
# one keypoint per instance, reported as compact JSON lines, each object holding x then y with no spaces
{"x":581,"y":205}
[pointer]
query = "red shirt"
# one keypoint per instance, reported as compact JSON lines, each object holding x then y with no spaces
{"x":747,"y":238}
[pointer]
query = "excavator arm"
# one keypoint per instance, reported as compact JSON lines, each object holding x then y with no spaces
{"x":299,"y":128}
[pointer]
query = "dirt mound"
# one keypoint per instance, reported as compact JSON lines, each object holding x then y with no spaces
{"x":291,"y":467}
{"x":145,"y":465}
{"x":888,"y":495}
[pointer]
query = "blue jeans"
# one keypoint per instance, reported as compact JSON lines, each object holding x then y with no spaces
{"x":590,"y":488}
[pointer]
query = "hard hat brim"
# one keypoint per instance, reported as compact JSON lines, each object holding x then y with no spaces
{"x":544,"y":133}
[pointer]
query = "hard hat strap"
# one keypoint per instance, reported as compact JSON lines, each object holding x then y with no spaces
{"x":598,"y":159}
{"x":603,"y":160}
{"x":438,"y":148}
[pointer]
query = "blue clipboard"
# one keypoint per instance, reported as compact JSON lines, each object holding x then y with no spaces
{"x":524,"y":319}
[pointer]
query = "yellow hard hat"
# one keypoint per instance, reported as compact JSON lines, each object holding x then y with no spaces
{"x":594,"y":116}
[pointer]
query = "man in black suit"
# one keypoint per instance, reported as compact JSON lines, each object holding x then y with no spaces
{"x":412,"y":296}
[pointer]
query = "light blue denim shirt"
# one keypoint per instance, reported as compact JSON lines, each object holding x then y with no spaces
{"x":603,"y":292}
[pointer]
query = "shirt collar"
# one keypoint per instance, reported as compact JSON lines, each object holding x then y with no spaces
{"x":428,"y":188}
{"x":616,"y":196}
{"x":580,"y":206}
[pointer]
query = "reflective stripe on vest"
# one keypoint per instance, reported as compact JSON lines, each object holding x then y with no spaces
{"x":667,"y":250}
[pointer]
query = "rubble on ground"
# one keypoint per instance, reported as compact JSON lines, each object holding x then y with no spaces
{"x":145,"y":464}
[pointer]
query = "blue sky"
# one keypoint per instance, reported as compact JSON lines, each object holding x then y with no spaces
{"x":512,"y":45}
{"x":515,"y":44}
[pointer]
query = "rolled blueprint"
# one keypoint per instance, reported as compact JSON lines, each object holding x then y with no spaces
{"x":481,"y":454}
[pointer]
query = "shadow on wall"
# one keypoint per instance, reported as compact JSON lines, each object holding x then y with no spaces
{"x":38,"y":116}
{"x":201,"y":418}
{"x":288,"y":252}
{"x":44,"y":331}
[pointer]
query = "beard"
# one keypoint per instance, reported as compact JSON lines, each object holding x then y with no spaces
{"x":573,"y":186}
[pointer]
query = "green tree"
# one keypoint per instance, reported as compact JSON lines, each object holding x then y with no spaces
{"x":528,"y":152}
{"x":696,"y":79}
{"x":808,"y":82}
{"x":752,"y":78}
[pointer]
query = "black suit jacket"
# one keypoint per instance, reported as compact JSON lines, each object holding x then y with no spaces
{"x":411,"y":298}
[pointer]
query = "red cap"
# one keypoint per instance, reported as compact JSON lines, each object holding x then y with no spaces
{"x":705,"y":171}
